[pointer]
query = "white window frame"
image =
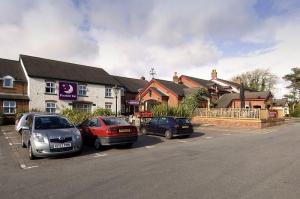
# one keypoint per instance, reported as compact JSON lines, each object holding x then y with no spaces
{"x":51,"y":86}
{"x":108,"y":92}
{"x":50,"y":107}
{"x":82,"y":107}
{"x":11,"y":85}
{"x":82,"y":89}
{"x":108,"y":105}
{"x":10,"y":107}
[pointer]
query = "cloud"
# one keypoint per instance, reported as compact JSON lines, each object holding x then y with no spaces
{"x":190,"y":37}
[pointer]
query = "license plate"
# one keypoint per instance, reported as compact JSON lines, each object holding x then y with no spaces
{"x":124,"y":130}
{"x":185,"y":127}
{"x":62,"y":145}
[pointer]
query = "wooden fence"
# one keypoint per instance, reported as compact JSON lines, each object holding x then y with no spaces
{"x":236,"y":113}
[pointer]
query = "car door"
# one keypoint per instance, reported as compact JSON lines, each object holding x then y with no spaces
{"x":162,"y":125}
{"x":152,"y":127}
{"x":26,"y":132}
{"x":94,"y":127}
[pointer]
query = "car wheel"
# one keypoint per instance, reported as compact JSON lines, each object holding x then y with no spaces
{"x":97,"y":144}
{"x":31,"y":156}
{"x":143,"y":131}
{"x":22,"y":143}
{"x":168,"y":134}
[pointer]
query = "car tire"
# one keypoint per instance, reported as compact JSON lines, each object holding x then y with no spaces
{"x":31,"y":156}
{"x":97,"y":144}
{"x":168,"y":134}
{"x":22,"y":143}
{"x":144,"y":131}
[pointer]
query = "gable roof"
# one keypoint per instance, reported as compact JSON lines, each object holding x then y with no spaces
{"x":176,"y":88}
{"x":130,"y":84}
{"x":53,"y":69}
{"x":280,"y":102}
{"x":225,"y":100}
{"x":12,"y":68}
{"x":206,"y":83}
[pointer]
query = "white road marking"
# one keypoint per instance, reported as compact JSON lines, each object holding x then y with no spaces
{"x":10,"y":144}
{"x":149,"y":147}
{"x":31,"y":167}
{"x":23,"y":166}
{"x":100,"y":155}
{"x":15,"y":143}
{"x":208,"y":137}
{"x":227,"y":133}
{"x":182,"y":141}
{"x":10,"y":137}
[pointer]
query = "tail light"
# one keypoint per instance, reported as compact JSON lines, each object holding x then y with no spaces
{"x":112,"y":130}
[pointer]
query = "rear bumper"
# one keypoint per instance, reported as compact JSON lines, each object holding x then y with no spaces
{"x":117,"y":140}
{"x":183,"y":133}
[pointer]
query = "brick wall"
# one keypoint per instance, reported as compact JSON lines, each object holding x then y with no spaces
{"x":224,"y":122}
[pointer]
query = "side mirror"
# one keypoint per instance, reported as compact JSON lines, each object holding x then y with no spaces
{"x":25,"y":128}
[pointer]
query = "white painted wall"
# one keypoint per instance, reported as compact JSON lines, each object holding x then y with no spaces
{"x":95,"y":94}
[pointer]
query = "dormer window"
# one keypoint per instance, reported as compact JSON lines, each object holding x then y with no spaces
{"x":8,"y":82}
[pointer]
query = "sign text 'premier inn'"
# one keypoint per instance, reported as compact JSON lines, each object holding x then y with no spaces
{"x":67,"y":91}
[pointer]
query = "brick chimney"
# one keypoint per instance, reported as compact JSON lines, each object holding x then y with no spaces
{"x":176,"y":78}
{"x":214,"y":74}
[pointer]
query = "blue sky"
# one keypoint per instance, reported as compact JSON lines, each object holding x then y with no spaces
{"x":128,"y":37}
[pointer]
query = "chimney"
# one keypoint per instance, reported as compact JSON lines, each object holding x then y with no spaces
{"x":175,"y":78}
{"x":143,"y":78}
{"x":214,"y":74}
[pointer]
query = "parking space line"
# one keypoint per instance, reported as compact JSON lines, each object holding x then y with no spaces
{"x":8,"y":133}
{"x":227,"y":133}
{"x":23,"y":166}
{"x":100,"y":155}
{"x":208,"y":137}
{"x":149,"y":147}
{"x":182,"y":141}
{"x":10,"y":137}
{"x":14,"y":143}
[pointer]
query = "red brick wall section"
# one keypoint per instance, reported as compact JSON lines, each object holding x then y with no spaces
{"x":223,"y":122}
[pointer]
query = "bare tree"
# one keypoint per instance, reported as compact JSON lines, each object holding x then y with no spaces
{"x":258,"y":79}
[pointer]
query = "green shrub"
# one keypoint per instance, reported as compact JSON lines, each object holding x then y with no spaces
{"x":165,"y":110}
{"x":296,"y":112}
{"x":75,"y":116}
{"x":102,"y":112}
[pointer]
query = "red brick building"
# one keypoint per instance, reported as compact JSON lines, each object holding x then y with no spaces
{"x":13,"y":89}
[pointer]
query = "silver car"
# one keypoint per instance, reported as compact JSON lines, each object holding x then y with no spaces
{"x":49,"y":135}
{"x":21,"y":121}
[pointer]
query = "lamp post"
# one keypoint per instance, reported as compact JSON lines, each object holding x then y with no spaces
{"x":116,"y":90}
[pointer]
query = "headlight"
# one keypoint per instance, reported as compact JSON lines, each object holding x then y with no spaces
{"x":77,"y":137}
{"x":38,"y":137}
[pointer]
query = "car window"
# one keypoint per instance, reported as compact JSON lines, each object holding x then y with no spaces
{"x":153,"y":121}
{"x":182,"y":121}
{"x":51,"y":122}
{"x":163,"y":121}
{"x":114,"y":121}
{"x":94,"y":123}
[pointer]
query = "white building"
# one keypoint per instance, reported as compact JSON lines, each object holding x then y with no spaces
{"x":55,"y":85}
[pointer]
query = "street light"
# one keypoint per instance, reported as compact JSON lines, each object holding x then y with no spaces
{"x":116,"y":90}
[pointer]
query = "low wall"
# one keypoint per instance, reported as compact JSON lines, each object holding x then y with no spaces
{"x":242,"y":123}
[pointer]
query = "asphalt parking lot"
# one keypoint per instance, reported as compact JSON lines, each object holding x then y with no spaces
{"x":145,"y":142}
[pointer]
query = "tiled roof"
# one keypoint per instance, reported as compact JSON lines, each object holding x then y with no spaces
{"x":130,"y":84}
{"x":206,"y":83}
{"x":47,"y":68}
{"x":280,"y":102}
{"x":12,"y":68}
{"x":176,"y":88}
{"x":225,"y":100}
{"x":159,"y":92}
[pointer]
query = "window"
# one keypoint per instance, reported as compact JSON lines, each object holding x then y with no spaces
{"x":153,"y":121}
{"x":8,"y":82}
{"x":108,"y":105}
{"x":108,"y":92}
{"x":50,"y":107}
{"x":82,"y":107}
{"x":163,"y":121}
{"x":82,"y":89}
{"x":9,"y":107}
{"x":50,"y":87}
{"x":94,"y":122}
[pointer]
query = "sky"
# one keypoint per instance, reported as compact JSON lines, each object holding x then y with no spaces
{"x":129,"y":37}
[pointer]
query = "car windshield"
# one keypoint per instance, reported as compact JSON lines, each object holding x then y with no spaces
{"x":114,"y":121}
{"x":181,"y":121}
{"x":51,"y":122}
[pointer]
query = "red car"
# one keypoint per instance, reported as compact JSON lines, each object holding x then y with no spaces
{"x":108,"y":131}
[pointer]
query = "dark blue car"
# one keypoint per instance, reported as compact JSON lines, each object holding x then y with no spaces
{"x":168,"y":126}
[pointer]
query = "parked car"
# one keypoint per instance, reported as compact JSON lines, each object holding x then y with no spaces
{"x":49,"y":135}
{"x":21,"y":121}
{"x":108,"y":131}
{"x":168,"y":126}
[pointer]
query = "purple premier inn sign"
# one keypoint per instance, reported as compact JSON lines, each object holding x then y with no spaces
{"x":67,"y":91}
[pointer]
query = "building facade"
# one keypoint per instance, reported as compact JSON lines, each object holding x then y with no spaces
{"x":54,"y":86}
{"x":13,"y":90}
